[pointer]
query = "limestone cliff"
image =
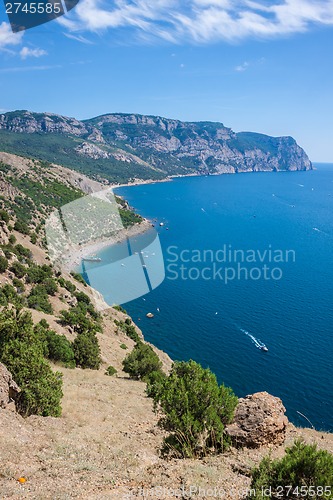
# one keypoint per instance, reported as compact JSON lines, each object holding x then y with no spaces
{"x":121,"y":147}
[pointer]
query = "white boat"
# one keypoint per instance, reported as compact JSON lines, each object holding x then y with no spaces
{"x":91,"y":259}
{"x":264,"y":348}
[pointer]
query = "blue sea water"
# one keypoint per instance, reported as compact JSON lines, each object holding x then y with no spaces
{"x":207,"y":319}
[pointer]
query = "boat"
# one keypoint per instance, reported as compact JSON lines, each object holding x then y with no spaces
{"x":263,"y":348}
{"x":161,"y":224}
{"x":91,"y":259}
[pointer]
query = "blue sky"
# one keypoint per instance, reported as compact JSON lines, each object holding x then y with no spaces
{"x":253,"y":65}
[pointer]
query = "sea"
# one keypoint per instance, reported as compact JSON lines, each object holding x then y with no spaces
{"x":248,"y":261}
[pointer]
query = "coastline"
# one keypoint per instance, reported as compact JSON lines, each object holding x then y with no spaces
{"x":77,"y":253}
{"x":138,"y":182}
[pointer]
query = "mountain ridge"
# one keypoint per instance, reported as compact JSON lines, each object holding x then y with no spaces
{"x":122,"y":147}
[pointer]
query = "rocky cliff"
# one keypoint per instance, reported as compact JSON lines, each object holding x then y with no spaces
{"x":127,"y":146}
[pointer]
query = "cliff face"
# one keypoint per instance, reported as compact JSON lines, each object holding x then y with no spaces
{"x":150,"y":146}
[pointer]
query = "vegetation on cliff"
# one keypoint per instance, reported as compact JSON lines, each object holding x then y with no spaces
{"x":304,"y":472}
{"x":121,"y":147}
{"x":195,"y":410}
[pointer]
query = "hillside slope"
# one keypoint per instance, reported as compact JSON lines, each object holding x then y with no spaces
{"x":125,"y":147}
{"x":107,"y":442}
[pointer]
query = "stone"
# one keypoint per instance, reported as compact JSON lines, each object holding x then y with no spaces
{"x":259,"y":421}
{"x":4,"y":233}
{"x":8,"y":387}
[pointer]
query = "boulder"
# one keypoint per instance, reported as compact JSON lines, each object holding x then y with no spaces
{"x":4,"y":233}
{"x":259,"y":420}
{"x":8,"y":387}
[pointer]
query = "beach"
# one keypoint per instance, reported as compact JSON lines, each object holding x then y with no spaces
{"x":74,"y":256}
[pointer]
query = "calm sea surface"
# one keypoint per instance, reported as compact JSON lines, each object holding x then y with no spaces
{"x":283,"y":221}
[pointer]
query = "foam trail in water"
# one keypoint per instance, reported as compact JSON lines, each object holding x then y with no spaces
{"x":256,"y":342}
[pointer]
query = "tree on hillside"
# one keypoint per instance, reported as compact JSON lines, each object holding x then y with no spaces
{"x":304,"y":472}
{"x":195,"y":410}
{"x":22,"y":352}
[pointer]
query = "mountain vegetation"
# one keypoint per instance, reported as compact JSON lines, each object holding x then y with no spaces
{"x":120,"y":148}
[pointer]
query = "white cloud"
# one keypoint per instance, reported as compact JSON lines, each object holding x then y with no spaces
{"x":25,"y":52}
{"x":7,"y":37}
{"x":79,"y":38}
{"x":242,"y":67}
{"x":24,"y":69}
{"x":200,"y":21}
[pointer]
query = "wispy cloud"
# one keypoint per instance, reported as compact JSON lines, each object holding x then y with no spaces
{"x":7,"y":37}
{"x":200,"y":21}
{"x":27,"y":52}
{"x":19,"y":69}
{"x":79,"y":38}
{"x":242,"y":67}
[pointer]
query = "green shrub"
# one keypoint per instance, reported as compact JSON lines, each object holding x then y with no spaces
{"x":110,"y":371}
{"x":50,"y":286}
{"x":18,"y":269}
{"x":195,"y":408}
{"x":38,"y":274}
{"x":3,"y":299}
{"x":3,"y":264}
{"x":60,"y":348}
{"x":129,"y":330}
{"x":119,"y":308}
{"x":303,"y":472}
{"x":123,"y":346}
{"x":4,"y":216}
{"x":15,"y":324}
{"x":155,"y":384}
{"x":38,"y":299}
{"x":19,"y":285}
{"x":79,"y":278}
{"x":70,"y":287}
{"x":23,"y":251}
{"x":12,"y":239}
{"x":8,"y":252}
{"x":77,"y":318}
{"x":21,"y":227}
{"x":86,"y":351}
{"x":141,"y":362}
{"x":82,"y":297}
{"x":22,"y":351}
{"x":33,"y":238}
{"x":40,"y":388}
{"x":10,"y":295}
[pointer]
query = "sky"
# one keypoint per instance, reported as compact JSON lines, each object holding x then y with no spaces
{"x":261,"y":66}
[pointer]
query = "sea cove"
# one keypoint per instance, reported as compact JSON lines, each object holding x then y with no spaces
{"x":285,"y":218}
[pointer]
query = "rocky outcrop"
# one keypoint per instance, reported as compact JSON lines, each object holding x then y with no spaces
{"x":92,"y":151}
{"x":4,"y":233}
{"x":259,"y":420}
{"x":8,"y":387}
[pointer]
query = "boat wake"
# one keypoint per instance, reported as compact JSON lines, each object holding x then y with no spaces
{"x":259,"y":345}
{"x":320,"y":231}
